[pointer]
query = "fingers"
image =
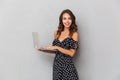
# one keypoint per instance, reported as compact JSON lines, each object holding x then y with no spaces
{"x":38,"y":49}
{"x":50,"y":47}
{"x":47,"y":47}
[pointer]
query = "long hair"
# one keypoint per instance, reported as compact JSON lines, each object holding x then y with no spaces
{"x":73,"y":28}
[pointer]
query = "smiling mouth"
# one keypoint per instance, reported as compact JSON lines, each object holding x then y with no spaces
{"x":67,"y":24}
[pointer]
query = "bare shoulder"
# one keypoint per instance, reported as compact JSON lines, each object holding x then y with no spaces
{"x":75,"y":36}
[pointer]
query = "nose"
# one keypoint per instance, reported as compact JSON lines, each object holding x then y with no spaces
{"x":67,"y":21}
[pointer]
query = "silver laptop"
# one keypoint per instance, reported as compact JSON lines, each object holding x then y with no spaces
{"x":36,"y":42}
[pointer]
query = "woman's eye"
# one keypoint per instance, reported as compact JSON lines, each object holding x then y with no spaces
{"x":64,"y":18}
{"x":69,"y":18}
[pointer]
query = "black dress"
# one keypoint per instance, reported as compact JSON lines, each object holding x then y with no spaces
{"x":63,"y":66}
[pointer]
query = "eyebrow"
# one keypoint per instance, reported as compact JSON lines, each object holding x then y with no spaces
{"x":67,"y":17}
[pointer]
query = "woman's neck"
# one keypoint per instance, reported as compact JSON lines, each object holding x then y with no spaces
{"x":66,"y":30}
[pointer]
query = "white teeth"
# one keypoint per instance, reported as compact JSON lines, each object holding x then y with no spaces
{"x":67,"y":24}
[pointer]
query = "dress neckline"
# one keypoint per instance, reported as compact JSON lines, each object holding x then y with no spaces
{"x":61,"y":41}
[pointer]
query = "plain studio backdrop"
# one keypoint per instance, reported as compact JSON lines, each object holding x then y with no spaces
{"x":98,"y":56}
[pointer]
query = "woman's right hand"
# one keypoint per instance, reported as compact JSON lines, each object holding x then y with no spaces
{"x":38,"y":49}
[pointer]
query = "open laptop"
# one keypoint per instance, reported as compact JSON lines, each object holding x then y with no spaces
{"x":35,"y":37}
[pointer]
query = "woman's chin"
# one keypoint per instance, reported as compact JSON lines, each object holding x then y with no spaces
{"x":67,"y":26}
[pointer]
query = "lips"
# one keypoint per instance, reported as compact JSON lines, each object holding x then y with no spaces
{"x":67,"y":24}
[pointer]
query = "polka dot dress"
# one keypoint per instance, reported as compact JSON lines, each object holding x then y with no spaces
{"x":63,"y":66}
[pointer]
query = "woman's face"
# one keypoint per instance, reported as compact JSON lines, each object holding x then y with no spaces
{"x":66,"y":20}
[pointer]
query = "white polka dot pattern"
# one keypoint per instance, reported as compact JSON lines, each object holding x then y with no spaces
{"x":63,"y":67}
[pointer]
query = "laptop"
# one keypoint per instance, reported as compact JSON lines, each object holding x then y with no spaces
{"x":35,"y":37}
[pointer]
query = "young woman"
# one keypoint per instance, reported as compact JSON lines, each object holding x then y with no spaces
{"x":65,"y":44}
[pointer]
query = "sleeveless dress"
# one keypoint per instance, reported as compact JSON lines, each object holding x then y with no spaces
{"x":63,"y":66}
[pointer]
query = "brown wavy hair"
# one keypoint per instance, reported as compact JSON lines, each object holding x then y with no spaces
{"x":73,"y":28}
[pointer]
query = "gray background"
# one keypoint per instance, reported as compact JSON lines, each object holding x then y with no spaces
{"x":98,"y":57}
